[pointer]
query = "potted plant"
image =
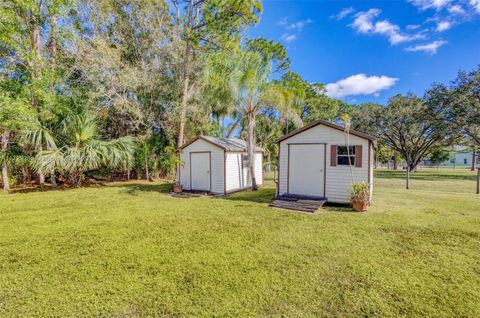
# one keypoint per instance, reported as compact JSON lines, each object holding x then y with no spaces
{"x":360,"y":196}
{"x":177,"y":187}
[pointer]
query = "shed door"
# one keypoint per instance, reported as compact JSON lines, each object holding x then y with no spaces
{"x":306,"y":169}
{"x":200,"y":170}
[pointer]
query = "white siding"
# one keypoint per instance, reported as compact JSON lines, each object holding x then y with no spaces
{"x":217,"y":165}
{"x":259,"y":168}
{"x":237,"y":177}
{"x":234,"y":171}
{"x":338,"y":179}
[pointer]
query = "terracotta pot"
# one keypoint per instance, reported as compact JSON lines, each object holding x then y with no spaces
{"x":177,"y":188}
{"x":359,"y":206}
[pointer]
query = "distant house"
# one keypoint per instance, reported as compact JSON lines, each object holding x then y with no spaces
{"x":459,"y":158}
{"x":218,"y":165}
{"x":314,"y":161}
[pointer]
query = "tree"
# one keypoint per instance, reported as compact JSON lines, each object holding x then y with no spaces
{"x":464,"y":96}
{"x":437,"y":156}
{"x":15,"y":115}
{"x":244,"y":77}
{"x":413,"y":127}
{"x":82,"y":150}
{"x":207,"y":23}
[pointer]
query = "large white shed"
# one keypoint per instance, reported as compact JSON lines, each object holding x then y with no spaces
{"x":218,"y":165}
{"x":313,"y":161}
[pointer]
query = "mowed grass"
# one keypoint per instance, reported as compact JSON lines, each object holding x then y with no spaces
{"x":130,"y":250}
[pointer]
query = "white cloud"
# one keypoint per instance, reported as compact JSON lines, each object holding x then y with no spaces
{"x":475,"y":4}
{"x":342,"y":14}
{"x":430,"y":4}
{"x":443,"y":26}
{"x":287,"y":37}
{"x":364,"y":23}
{"x":413,"y":26}
{"x":429,"y":48}
{"x":298,"y":25}
{"x":456,"y":9}
{"x":359,"y":84}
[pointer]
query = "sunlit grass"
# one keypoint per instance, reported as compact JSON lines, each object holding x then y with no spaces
{"x":131,"y":250}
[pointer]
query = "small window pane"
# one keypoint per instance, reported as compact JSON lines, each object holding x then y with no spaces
{"x":343,"y":160}
{"x":342,"y":150}
{"x":245,"y":160}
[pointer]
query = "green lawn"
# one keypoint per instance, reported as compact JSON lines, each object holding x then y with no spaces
{"x":130,"y":250}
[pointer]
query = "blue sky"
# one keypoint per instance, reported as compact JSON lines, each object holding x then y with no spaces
{"x":367,"y":51}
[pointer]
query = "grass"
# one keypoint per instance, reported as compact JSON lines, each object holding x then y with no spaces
{"x":130,"y":250}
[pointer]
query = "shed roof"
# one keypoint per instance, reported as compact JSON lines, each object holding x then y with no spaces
{"x":227,"y":144}
{"x":331,"y":125}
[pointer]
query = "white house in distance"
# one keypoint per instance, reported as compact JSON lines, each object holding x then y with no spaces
{"x":313,"y":161}
{"x":217,"y":165}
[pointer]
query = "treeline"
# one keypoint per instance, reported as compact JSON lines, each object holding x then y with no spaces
{"x":111,"y":88}
{"x":412,"y":128}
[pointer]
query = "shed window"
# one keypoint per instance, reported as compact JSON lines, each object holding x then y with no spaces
{"x":245,"y":160}
{"x":343,"y":155}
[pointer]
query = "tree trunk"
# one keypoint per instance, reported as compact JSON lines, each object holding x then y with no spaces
{"x":185,"y":75}
{"x":395,"y":163}
{"x":474,"y":158}
{"x":250,"y":149}
{"x":268,"y":168}
{"x":53,"y":49}
{"x":53,"y":66}
{"x":147,"y":172}
{"x":408,"y":178}
{"x":41,"y":175}
{"x":36,"y":49}
{"x":4,"y":144}
{"x":232,"y":128}
{"x":53,"y":181}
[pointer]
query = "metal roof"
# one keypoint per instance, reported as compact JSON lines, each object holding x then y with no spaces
{"x":227,"y":144}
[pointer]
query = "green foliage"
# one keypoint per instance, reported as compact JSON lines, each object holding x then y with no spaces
{"x":438,"y":156}
{"x":81,"y":150}
{"x":15,"y":113}
{"x":360,"y":192}
{"x":413,"y":127}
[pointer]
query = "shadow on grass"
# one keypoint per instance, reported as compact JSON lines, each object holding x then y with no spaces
{"x":136,"y":188}
{"x":262,"y":195}
{"x":433,"y":175}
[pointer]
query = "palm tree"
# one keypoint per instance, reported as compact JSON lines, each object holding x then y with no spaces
{"x":246,"y":77}
{"x":82,"y":150}
{"x":35,"y":141}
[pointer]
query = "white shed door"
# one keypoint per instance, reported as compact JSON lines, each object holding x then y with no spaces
{"x":200,"y":171}
{"x":306,"y":165}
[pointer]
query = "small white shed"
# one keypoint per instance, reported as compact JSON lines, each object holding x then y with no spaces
{"x":313,"y":161}
{"x":218,"y":165}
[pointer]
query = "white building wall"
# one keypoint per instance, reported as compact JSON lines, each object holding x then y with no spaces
{"x":259,"y":168}
{"x":234,"y":171}
{"x":217,"y":165}
{"x":237,"y":176}
{"x":338,"y":179}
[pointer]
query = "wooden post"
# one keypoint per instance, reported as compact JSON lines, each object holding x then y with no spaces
{"x":478,"y":180}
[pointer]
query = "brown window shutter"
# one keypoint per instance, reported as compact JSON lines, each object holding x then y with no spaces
{"x":333,"y":155}
{"x":358,"y":156}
